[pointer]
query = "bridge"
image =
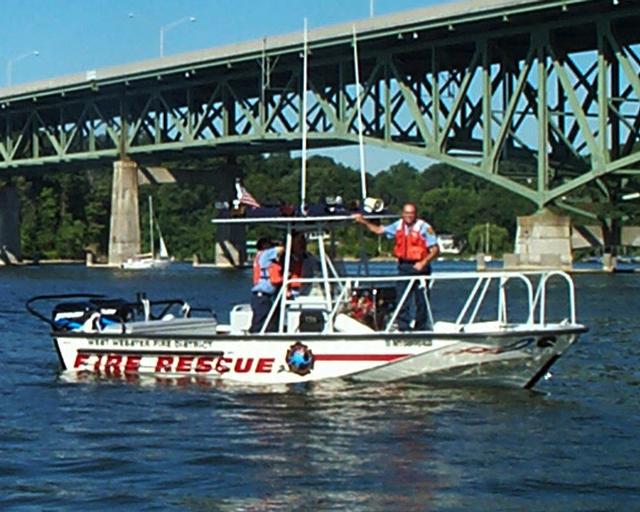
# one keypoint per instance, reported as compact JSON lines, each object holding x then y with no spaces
{"x":541,"y":97}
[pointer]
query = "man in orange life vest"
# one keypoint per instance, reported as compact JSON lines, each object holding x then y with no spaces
{"x":416,"y":247}
{"x":267,"y":279}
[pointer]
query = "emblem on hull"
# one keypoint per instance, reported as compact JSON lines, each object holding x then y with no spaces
{"x":300,"y":359}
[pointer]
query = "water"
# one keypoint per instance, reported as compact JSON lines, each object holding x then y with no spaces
{"x":572,"y":445}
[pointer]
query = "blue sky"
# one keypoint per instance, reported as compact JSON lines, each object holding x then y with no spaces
{"x":79,"y":35}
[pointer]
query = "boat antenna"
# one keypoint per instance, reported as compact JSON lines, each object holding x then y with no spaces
{"x":303,"y":119}
{"x":359,"y":89}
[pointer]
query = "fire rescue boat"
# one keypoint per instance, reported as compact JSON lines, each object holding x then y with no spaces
{"x":339,"y":327}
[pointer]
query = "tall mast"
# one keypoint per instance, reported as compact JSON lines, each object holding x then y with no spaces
{"x":356,"y":66}
{"x":153,"y":255}
{"x":486,"y":239}
{"x":303,"y":120}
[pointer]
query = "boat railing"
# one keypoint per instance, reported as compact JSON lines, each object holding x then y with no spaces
{"x":541,"y":295}
{"x":334,"y":293}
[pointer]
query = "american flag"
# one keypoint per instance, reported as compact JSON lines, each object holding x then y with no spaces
{"x":245,"y":197}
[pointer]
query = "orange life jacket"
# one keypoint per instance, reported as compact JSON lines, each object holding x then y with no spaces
{"x":273,"y":272}
{"x":410,"y":246}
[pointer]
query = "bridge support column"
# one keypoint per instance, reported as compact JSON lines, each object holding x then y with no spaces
{"x":124,"y":233}
{"x":9,"y":225}
{"x":543,"y":240}
{"x":230,"y":240}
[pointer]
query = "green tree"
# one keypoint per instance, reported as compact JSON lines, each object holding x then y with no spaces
{"x":498,"y":239}
{"x":64,"y":213}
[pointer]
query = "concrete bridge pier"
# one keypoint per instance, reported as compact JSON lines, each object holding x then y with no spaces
{"x":124,"y":232}
{"x":9,"y":225}
{"x":230,"y":250}
{"x":543,"y":241}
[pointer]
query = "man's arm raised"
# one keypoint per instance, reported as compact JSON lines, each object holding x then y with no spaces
{"x":374,"y":228}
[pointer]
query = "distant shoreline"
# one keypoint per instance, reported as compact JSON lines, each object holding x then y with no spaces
{"x":72,"y":261}
{"x":32,"y":263}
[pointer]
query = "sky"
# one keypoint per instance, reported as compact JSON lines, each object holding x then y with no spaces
{"x":73,"y":36}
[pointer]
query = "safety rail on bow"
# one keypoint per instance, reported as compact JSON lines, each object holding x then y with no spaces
{"x":332,"y":294}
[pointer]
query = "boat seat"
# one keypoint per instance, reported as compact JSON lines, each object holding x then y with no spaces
{"x":240,"y":318}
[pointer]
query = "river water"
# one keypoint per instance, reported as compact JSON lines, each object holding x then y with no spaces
{"x":570,"y":445}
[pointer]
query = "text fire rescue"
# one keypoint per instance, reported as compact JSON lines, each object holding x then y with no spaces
{"x":115,"y":364}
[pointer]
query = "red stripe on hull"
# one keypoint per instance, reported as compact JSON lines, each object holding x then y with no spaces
{"x":359,"y":357}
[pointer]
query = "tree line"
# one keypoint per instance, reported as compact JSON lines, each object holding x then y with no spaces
{"x":65,"y":213}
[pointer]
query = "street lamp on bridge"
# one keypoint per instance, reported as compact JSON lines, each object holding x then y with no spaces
{"x":11,"y":62}
{"x":168,"y":27}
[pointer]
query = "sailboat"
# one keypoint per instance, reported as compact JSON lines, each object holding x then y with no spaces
{"x":150,"y":260}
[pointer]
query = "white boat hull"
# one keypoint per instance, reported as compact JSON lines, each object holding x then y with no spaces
{"x":324,"y":336}
{"x":515,"y":358}
{"x":146,"y":264}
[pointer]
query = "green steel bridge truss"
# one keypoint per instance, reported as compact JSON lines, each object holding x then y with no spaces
{"x":541,"y":101}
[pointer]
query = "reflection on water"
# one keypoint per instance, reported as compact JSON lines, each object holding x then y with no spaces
{"x":183,"y":445}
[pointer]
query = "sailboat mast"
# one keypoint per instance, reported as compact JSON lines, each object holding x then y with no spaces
{"x":363,"y":171}
{"x":486,"y":239}
{"x":303,"y":120}
{"x":153,"y":254}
